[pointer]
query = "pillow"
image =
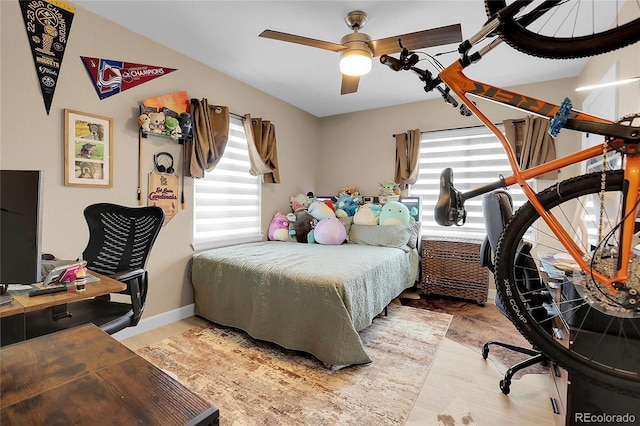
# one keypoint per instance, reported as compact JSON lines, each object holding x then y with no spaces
{"x":386,"y":236}
{"x":416,"y":227}
{"x":346,"y":221}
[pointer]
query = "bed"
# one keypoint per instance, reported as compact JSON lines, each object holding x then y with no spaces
{"x":308,"y":297}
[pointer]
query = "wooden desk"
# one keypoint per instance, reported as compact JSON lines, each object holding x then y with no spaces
{"x":84,"y":376}
{"x":14,"y":308}
{"x":13,"y":327}
{"x":106,"y":285}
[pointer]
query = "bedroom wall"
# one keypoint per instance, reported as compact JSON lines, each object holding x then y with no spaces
{"x":31,"y":139}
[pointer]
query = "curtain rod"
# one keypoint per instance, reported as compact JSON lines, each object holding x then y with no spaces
{"x":238,"y":116}
{"x":459,"y":128}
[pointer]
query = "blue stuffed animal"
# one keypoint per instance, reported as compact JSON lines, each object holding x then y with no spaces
{"x":346,"y":205}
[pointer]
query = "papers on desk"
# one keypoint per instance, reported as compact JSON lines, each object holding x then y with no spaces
{"x":564,"y":262}
{"x":18,"y":287}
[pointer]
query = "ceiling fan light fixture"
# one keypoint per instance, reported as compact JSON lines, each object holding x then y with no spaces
{"x":355,"y":61}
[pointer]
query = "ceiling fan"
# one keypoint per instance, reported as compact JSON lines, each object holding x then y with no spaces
{"x":357,"y":49}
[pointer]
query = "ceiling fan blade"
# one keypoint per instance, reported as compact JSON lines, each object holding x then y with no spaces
{"x":276,"y":35}
{"x":418,"y":40}
{"x":349,"y":84}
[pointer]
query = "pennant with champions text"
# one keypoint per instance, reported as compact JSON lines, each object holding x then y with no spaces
{"x":111,"y":77}
{"x":48,"y":24}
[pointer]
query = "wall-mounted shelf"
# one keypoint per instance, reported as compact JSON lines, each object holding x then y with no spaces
{"x":165,"y":136}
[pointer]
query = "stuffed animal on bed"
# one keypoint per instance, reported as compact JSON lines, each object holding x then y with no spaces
{"x":301,"y":226}
{"x":279,"y":228}
{"x":300,"y":202}
{"x":394,"y":213}
{"x":330,"y":231}
{"x":321,"y":210}
{"x":368,"y":214}
{"x":346,"y":205}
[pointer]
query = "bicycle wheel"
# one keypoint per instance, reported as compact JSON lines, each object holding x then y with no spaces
{"x":570,"y":28}
{"x":603,"y":344}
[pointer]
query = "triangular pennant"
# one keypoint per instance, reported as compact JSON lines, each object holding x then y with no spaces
{"x":48,"y":24}
{"x":111,"y":77}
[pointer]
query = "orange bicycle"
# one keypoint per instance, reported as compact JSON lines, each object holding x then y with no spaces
{"x":604,"y":309}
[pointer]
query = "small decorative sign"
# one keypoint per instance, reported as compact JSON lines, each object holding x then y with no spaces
{"x":111,"y":77}
{"x":48,"y":24}
{"x":163,"y":192}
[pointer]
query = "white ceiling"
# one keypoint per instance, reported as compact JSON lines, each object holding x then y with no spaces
{"x":224,"y":35}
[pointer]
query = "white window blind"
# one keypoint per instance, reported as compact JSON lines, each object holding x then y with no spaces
{"x":477,"y":158}
{"x":227,"y":201}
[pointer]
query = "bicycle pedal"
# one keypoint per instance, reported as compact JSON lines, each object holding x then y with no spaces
{"x":560,"y":118}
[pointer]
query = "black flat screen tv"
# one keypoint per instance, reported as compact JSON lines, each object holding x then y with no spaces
{"x":20,"y":226}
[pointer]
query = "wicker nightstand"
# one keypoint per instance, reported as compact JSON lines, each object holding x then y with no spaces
{"x":451,"y":267}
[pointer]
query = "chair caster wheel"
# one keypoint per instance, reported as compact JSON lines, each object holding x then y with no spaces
{"x":505,"y":387}
{"x":485,"y":351}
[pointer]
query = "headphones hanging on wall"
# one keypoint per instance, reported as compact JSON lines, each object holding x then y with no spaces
{"x":163,"y":168}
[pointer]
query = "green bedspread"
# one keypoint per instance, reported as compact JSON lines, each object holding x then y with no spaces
{"x":309,"y":297}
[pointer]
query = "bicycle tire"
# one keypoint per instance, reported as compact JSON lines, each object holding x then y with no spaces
{"x":545,"y":46}
{"x":620,"y":376}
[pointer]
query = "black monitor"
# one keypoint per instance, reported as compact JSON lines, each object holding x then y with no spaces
{"x":20,"y":226}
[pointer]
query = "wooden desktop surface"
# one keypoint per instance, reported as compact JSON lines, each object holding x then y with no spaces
{"x":84,"y":376}
{"x":106,"y":285}
{"x":14,"y":308}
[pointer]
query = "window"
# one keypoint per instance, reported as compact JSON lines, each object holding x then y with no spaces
{"x":477,"y":158}
{"x":227,"y":201}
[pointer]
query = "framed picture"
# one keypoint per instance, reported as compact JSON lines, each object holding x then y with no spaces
{"x":88,"y":148}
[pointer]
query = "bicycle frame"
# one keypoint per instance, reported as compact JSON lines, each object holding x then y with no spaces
{"x":464,"y":87}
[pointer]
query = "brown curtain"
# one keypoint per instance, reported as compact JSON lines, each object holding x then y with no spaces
{"x":531,"y":142}
{"x":264,"y":153}
{"x":210,"y":136}
{"x":407,"y":153}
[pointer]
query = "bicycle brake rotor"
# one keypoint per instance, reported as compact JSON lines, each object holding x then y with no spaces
{"x":624,"y":304}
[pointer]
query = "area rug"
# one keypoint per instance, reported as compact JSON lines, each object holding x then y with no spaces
{"x":254,"y":382}
{"x":473,"y":325}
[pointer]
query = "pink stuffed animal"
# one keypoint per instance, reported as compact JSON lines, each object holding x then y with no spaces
{"x":330,"y":231}
{"x":279,"y":228}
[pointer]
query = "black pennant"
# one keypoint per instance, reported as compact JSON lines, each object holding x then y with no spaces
{"x":48,"y":24}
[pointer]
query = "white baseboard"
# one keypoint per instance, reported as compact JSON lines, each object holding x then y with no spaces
{"x":148,"y":324}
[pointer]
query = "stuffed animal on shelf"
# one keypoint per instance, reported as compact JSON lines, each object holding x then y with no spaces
{"x":389,"y":189}
{"x":144,"y":121}
{"x":330,"y":231}
{"x":394,"y":213}
{"x":173,"y":128}
{"x":279,"y":228}
{"x":348,"y":190}
{"x":156,"y":122}
{"x":368,"y":214}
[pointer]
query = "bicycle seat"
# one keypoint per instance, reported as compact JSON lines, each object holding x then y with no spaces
{"x":449,"y":209}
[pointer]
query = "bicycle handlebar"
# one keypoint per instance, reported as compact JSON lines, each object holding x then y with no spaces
{"x":407,"y":62}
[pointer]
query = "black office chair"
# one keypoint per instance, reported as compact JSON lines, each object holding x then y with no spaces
{"x":498,"y":209}
{"x":120,"y":240}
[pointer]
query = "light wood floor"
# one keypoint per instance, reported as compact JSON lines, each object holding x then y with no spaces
{"x":461,"y":388}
